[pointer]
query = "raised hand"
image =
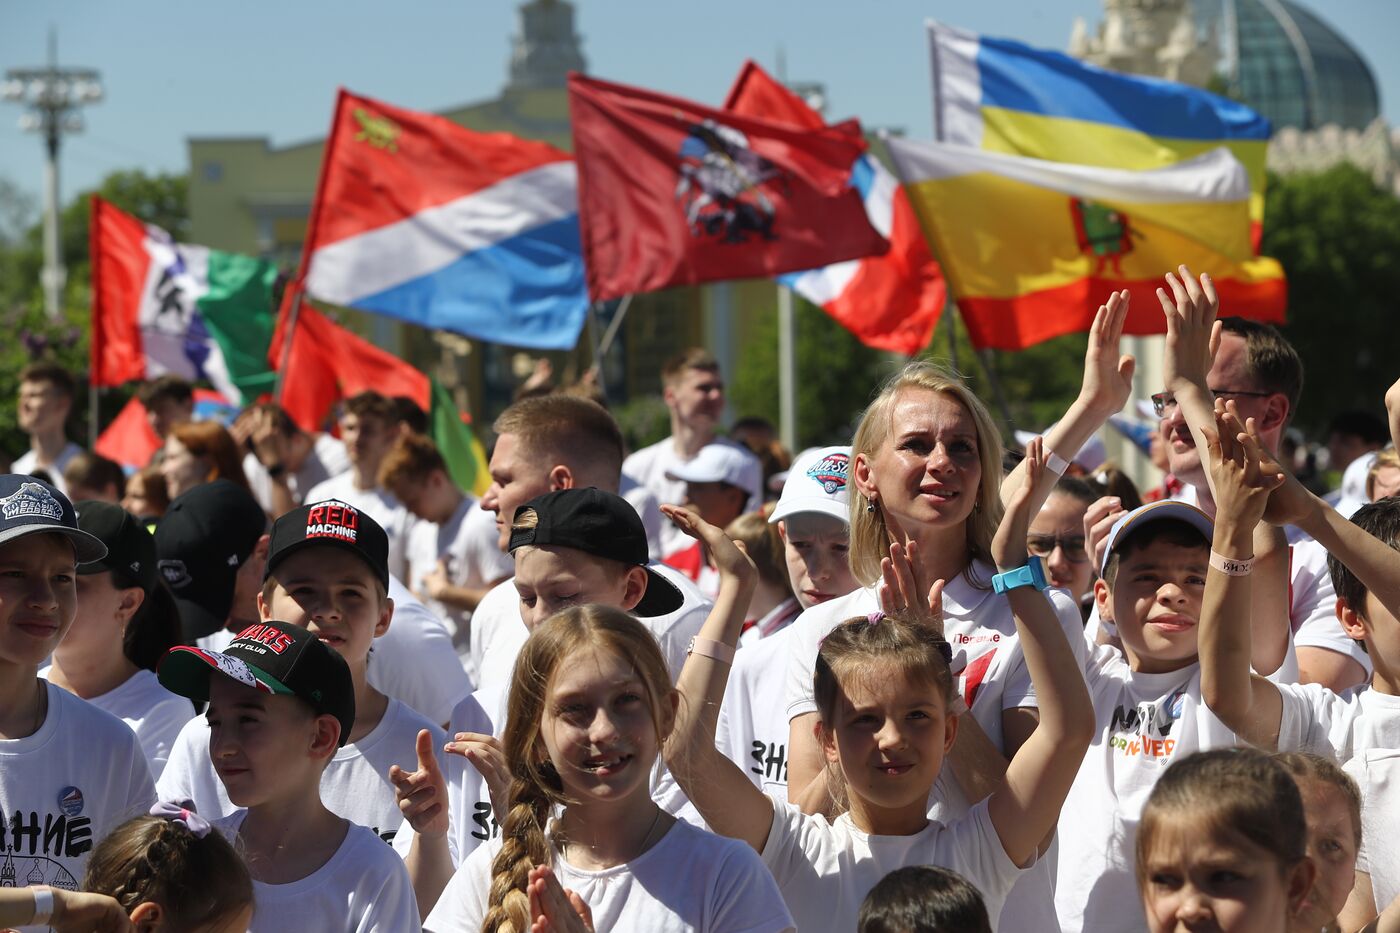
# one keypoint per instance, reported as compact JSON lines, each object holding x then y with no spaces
{"x":1241,"y":481}
{"x":1099,"y":520}
{"x":554,"y":909}
{"x":904,"y":592}
{"x":1392,"y":411}
{"x":1108,"y":373}
{"x":1009,"y":543}
{"x":1193,"y":333}
{"x":729,"y":559}
{"x":422,"y":794}
{"x":80,"y":912}
{"x":488,"y":757}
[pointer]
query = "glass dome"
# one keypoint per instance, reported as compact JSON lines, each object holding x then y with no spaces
{"x":1288,"y":64}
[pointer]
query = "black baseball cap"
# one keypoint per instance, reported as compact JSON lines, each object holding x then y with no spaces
{"x":601,"y":524}
{"x":201,"y":541}
{"x":30,"y":506}
{"x":274,"y":657}
{"x":330,"y":523}
{"x":131,"y":551}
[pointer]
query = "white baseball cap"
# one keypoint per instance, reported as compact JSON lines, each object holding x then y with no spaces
{"x":1089,"y":457}
{"x":723,"y":462}
{"x":819,"y":481}
{"x":1156,"y":512}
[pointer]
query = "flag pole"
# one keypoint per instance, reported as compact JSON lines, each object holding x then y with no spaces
{"x":614,"y":326}
{"x":287,"y":337}
{"x":787,"y":370}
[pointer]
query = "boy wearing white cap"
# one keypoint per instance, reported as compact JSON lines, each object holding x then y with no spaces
{"x":722,"y":482}
{"x":813,"y":518}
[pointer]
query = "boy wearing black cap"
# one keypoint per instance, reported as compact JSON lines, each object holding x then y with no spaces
{"x":327,"y":571}
{"x":125,"y":623}
{"x":69,"y":772}
{"x":281,"y":703}
{"x":571,"y":547}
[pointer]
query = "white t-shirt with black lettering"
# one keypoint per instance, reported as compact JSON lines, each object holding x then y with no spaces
{"x":824,"y":870}
{"x":752,"y":730}
{"x":691,"y":881}
{"x":1143,"y":723}
{"x":78,"y":777}
{"x":152,"y":712}
{"x":363,"y":888}
{"x":355,"y":784}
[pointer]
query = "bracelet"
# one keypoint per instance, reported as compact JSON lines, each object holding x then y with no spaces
{"x":275,"y":470}
{"x":1231,"y":566}
{"x":1055,"y":463}
{"x":43,"y":905}
{"x":709,"y":648}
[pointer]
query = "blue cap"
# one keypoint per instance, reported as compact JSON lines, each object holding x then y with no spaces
{"x":29,"y":506}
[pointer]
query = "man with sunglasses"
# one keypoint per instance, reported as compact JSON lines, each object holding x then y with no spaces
{"x":1261,"y":372}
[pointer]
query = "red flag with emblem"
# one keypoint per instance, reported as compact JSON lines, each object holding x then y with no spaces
{"x":673,"y":193}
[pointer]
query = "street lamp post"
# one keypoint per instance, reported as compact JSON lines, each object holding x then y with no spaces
{"x":53,"y":96}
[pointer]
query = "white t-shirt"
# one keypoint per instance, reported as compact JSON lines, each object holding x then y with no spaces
{"x":379,"y":504}
{"x":691,"y":881}
{"x":1314,"y":606}
{"x":152,"y":712}
{"x":415,"y":661}
{"x":648,"y":509}
{"x":79,"y":776}
{"x":648,"y":467}
{"x":355,"y":784}
{"x":467,"y":542}
{"x":326,"y":458}
{"x":1143,"y":722}
{"x":825,"y":869}
{"x":363,"y":888}
{"x":992,"y":678}
{"x":1377,"y":774}
{"x":1337,"y":725}
{"x":753,"y":725}
{"x":498,"y":625}
{"x":28,"y":462}
{"x":471,"y":819}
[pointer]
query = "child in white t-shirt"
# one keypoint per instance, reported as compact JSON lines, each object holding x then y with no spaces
{"x":590,"y":706}
{"x":327,"y":570}
{"x":281,"y":701}
{"x":69,"y":772}
{"x":126,"y":622}
{"x":571,"y":546}
{"x":170,"y":871}
{"x":883,"y":690}
{"x":1222,"y":846}
{"x":812,"y":517}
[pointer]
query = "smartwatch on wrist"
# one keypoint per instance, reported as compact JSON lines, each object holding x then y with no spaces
{"x":276,"y":470}
{"x":1032,"y":574}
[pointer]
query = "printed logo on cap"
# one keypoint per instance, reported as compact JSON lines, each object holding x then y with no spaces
{"x":831,"y":472}
{"x":264,"y":638}
{"x":333,"y":519}
{"x":31,"y":499}
{"x":232,"y":667}
{"x":175,"y":573}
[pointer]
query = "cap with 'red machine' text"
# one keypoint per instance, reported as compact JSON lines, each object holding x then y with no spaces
{"x":274,"y":658}
{"x":334,"y":523}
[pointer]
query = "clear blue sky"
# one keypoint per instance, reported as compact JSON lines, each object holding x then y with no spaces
{"x":178,"y":69}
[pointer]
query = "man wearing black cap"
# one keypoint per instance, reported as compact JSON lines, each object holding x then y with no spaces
{"x":125,"y":623}
{"x":69,"y":772}
{"x":210,"y":550}
{"x":281,"y":703}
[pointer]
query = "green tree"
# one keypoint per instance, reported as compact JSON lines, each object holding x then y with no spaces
{"x":30,"y":335}
{"x":1337,"y":235}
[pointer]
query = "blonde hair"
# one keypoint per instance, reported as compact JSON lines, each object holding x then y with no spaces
{"x":870,"y":538}
{"x":1386,"y":458}
{"x":535,"y":787}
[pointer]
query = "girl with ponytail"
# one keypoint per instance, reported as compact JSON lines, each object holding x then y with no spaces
{"x":583,"y":845}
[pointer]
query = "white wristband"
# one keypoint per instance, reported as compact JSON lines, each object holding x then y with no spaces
{"x":709,"y":648}
{"x":43,"y":905}
{"x":1055,"y":463}
{"x":1230,"y":566}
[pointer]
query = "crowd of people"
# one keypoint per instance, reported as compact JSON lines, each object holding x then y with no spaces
{"x":279,"y":680}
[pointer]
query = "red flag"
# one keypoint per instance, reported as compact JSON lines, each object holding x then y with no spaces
{"x":129,"y":439}
{"x":328,"y":363}
{"x":890,"y":301}
{"x":120,"y":261}
{"x":674,"y":193}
